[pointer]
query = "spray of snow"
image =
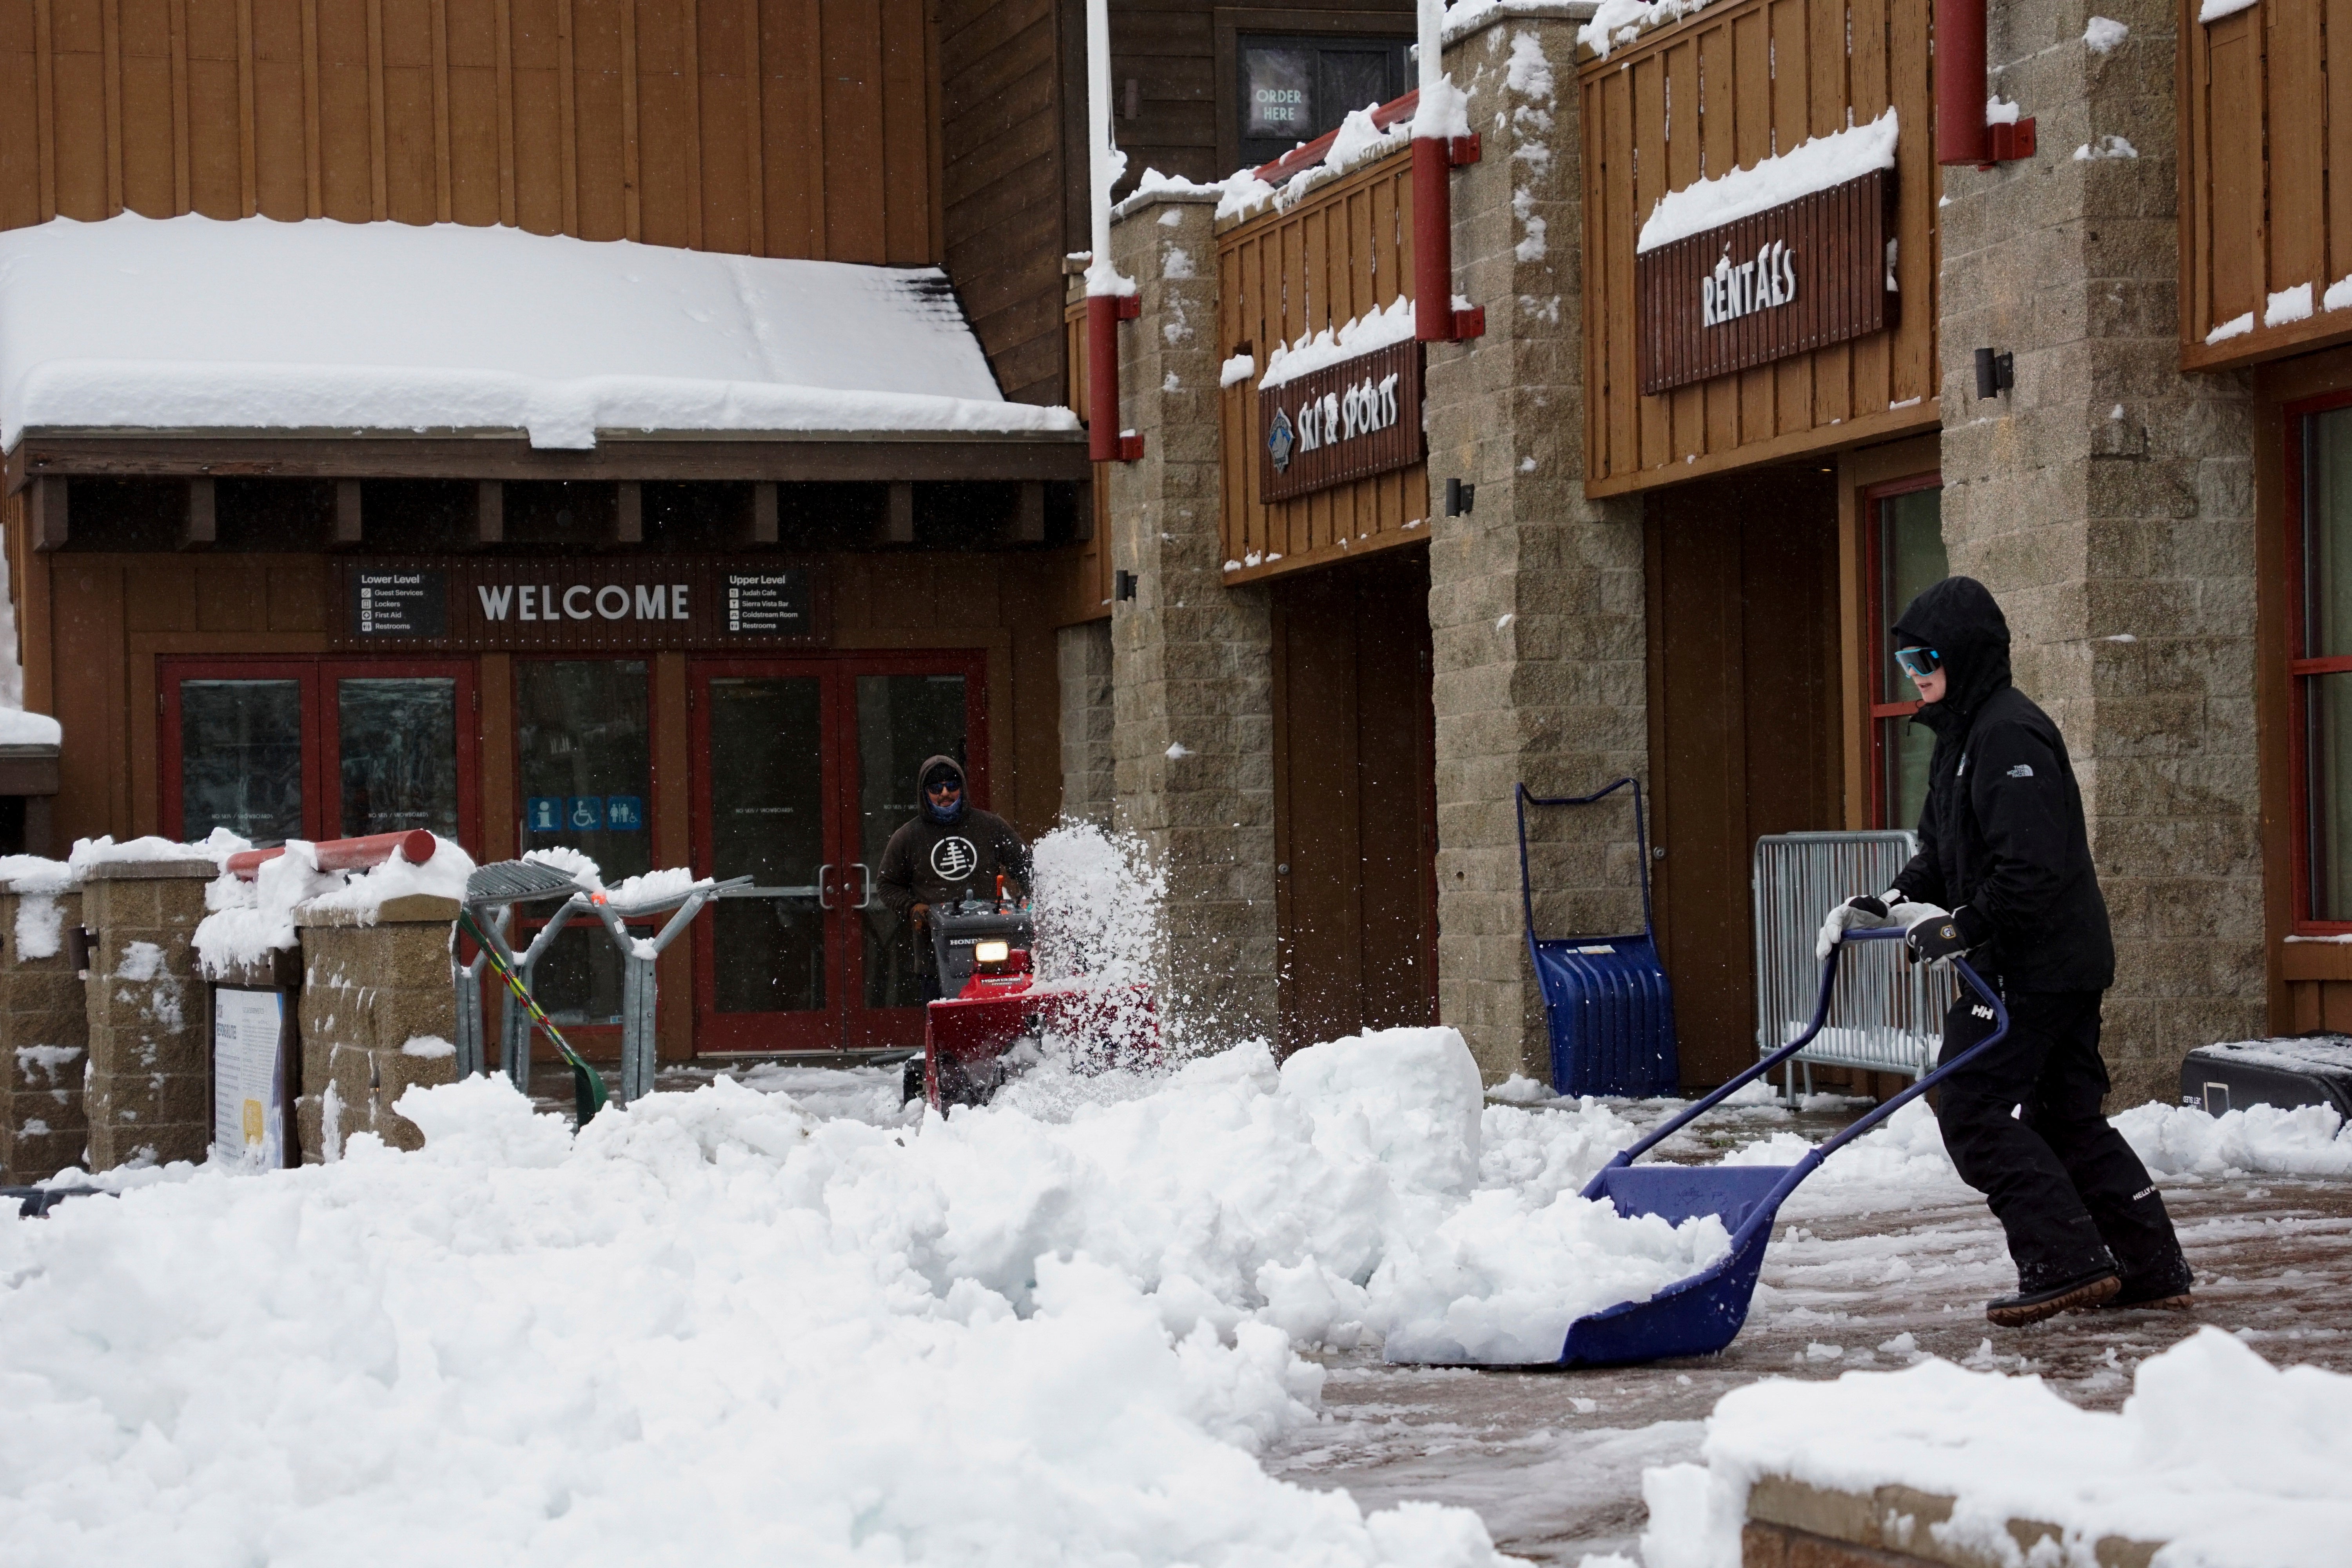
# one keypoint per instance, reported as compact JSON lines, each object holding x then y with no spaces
{"x":2103,"y":33}
{"x":1816,"y":165}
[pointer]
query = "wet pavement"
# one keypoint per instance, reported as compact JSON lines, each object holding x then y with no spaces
{"x":1553,"y":1460}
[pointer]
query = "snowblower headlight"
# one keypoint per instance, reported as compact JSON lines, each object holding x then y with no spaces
{"x":991,"y":952}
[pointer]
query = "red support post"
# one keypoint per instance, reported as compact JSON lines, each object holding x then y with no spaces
{"x":1105,"y":443}
{"x":1432,"y":240}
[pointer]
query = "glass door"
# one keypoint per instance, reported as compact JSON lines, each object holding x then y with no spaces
{"x":767,"y":972}
{"x":804,"y":768}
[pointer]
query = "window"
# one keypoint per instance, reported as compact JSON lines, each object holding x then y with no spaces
{"x":2319,"y":649}
{"x":274,"y":748}
{"x":583,"y":744}
{"x":1293,"y":89}
{"x":1905,"y":552}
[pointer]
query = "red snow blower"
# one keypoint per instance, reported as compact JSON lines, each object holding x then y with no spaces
{"x":995,"y":1018}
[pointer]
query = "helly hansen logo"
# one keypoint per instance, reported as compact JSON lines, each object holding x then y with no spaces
{"x":2022,"y":771}
{"x":1982,"y":1011}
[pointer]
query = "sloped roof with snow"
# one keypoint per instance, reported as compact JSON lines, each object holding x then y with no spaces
{"x":193,"y":325}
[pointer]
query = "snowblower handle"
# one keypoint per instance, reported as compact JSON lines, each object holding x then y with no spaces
{"x":1821,"y":1016}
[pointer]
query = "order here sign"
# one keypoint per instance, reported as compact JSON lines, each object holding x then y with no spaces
{"x":459,"y":604}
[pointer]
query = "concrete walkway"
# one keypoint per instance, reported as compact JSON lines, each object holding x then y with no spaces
{"x":1553,"y":1461}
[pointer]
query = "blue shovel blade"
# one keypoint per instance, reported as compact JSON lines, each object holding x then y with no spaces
{"x":1701,"y":1314}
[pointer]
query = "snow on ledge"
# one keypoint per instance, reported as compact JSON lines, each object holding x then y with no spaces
{"x":1816,"y":165}
{"x":1360,"y":335}
{"x":2229,"y":1461}
{"x":2214,"y":10}
{"x":18,"y":727}
{"x":193,"y":323}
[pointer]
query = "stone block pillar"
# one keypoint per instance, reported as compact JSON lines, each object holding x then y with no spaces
{"x":2107,"y":501}
{"x":1192,"y":659}
{"x":1090,"y":765}
{"x":44,"y":1037}
{"x":379,"y":1013}
{"x":150,"y":1086}
{"x":1536,"y":600}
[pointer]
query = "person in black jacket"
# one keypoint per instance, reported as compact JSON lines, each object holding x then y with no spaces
{"x":952,"y":849}
{"x":2003,"y":875}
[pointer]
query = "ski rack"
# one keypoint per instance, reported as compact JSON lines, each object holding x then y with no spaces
{"x":640,"y":985}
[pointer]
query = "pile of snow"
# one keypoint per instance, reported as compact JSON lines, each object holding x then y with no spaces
{"x":717,"y":1317}
{"x":248,"y":921}
{"x":2102,"y":34}
{"x":40,"y":919}
{"x":18,"y":727}
{"x":216,"y":846}
{"x":197,"y":324}
{"x":1820,"y":164}
{"x":2226,"y":1460}
{"x":1375,"y":329}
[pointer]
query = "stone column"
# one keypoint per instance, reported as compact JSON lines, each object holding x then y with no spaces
{"x":1536,"y":600}
{"x":2108,"y":501}
{"x":1191,"y":660}
{"x":45,"y":1036}
{"x":379,"y":1013}
{"x":1089,"y":767}
{"x":150,"y":1086}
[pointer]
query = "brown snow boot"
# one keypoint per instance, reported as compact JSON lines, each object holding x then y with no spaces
{"x":2066,"y":1296}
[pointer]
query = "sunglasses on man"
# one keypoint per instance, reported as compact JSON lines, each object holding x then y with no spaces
{"x":946,"y":789}
{"x":1919,"y":661}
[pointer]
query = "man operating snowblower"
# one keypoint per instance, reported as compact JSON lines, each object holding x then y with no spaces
{"x":2003,"y":876}
{"x":951,"y":851}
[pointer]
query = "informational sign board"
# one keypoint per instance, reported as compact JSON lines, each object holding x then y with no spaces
{"x":1802,"y":276}
{"x":1347,"y":421}
{"x":249,"y":1070}
{"x":453,"y":605}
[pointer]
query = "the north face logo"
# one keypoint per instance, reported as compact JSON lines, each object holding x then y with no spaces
{"x":953,"y":858}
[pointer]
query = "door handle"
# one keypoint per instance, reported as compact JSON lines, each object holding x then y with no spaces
{"x":824,"y":886}
{"x":865,"y":886}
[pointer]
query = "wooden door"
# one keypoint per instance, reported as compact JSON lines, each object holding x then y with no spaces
{"x":1743,"y":727}
{"x":1355,"y":799}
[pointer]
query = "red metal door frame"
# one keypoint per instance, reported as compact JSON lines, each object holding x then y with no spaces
{"x":2300,"y":669}
{"x":846,"y":1021}
{"x":470,"y":733}
{"x":173,"y":669}
{"x":1875,"y":612}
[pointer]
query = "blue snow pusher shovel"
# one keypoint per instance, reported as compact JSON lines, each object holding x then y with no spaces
{"x":1611,"y":1012}
{"x":1703,"y":1314}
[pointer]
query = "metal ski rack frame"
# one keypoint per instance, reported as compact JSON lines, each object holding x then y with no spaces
{"x":639,"y":983}
{"x":491,"y":893}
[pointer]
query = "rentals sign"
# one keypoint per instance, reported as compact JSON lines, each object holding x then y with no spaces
{"x":1811,"y":272}
{"x":1347,"y":421}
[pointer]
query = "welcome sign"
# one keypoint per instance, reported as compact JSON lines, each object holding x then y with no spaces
{"x":588,"y":603}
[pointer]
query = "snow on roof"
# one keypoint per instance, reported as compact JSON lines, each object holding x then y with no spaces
{"x":1816,"y":165}
{"x":193,"y":323}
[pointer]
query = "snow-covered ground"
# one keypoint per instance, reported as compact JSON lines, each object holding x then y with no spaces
{"x":1136,"y":1319}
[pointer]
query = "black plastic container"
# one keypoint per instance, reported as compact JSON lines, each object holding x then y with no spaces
{"x":2311,"y":1071}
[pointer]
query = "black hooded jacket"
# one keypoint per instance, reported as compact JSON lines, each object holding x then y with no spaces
{"x":2001,"y":840}
{"x":928,"y":861}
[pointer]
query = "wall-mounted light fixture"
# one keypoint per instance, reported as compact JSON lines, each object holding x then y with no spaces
{"x":1996,"y":373}
{"x":1122,"y":584}
{"x":1459,"y":497}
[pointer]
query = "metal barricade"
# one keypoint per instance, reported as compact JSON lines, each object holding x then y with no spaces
{"x":1888,"y":1014}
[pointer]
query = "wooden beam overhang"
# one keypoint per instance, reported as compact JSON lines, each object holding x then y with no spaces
{"x":886,"y":457}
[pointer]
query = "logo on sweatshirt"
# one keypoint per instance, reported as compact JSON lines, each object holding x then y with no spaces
{"x":1982,"y":1011}
{"x":2022,"y":771}
{"x":953,"y":858}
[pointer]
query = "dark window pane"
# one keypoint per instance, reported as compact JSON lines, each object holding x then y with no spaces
{"x":2327,"y":534}
{"x":584,"y":743}
{"x":767,"y":822}
{"x":1911,"y":556}
{"x":2329,"y":715}
{"x":1293,"y":89}
{"x":1350,"y":80}
{"x":241,"y":758}
{"x":1906,"y":748}
{"x":398,"y":740}
{"x":901,"y":719}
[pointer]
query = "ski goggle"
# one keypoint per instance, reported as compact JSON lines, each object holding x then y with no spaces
{"x":1919,"y":661}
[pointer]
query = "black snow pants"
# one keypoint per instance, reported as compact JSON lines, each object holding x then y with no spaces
{"x":2023,"y":1127}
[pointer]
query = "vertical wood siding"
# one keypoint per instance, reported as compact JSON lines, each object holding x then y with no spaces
{"x":787,"y":127}
{"x":1344,"y":250}
{"x":1004,"y":183}
{"x":2264,"y":114}
{"x":1730,"y":87}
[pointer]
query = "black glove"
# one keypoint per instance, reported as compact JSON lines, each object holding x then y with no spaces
{"x":1942,"y":936}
